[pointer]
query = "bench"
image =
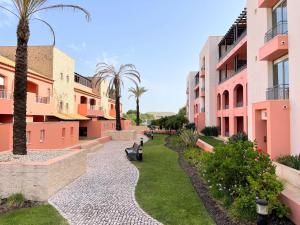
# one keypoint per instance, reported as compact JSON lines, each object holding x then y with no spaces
{"x":134,"y":153}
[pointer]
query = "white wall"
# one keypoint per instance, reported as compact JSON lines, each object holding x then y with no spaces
{"x":191,"y":95}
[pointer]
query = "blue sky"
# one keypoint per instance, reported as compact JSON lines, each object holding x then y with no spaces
{"x":161,"y":37}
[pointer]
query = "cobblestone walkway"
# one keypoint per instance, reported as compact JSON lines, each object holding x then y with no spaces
{"x":105,"y":194}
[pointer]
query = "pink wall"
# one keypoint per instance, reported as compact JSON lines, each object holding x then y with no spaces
{"x":200,"y":121}
{"x":54,"y":138}
{"x":203,"y":145}
{"x":276,"y":127}
{"x":275,"y":48}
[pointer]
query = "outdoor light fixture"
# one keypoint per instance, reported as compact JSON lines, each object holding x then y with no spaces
{"x":142,"y":142}
{"x":262,"y":211}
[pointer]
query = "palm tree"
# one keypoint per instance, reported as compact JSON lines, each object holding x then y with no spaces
{"x":105,"y":71}
{"x":137,"y":93}
{"x":25,"y":10}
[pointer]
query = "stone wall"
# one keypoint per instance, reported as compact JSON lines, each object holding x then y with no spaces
{"x":124,"y":135}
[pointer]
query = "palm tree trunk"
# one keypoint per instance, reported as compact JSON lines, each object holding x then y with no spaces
{"x":20,"y":89}
{"x":137,"y":112}
{"x":118,"y":110}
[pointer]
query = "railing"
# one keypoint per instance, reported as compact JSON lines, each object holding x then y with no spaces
{"x":203,"y":89}
{"x":43,"y":100}
{"x":278,"y":92}
{"x":222,"y":56}
{"x":92,"y":107}
{"x":226,"y":107}
{"x":203,"y":109}
{"x":5,"y":95}
{"x":196,"y":81}
{"x":235,"y":73}
{"x":280,"y":28}
{"x":239,"y":104}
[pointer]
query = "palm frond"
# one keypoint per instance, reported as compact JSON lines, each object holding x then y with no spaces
{"x":49,"y":26}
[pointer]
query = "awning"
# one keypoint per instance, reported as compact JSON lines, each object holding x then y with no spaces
{"x":108,"y":117}
{"x":70,"y":116}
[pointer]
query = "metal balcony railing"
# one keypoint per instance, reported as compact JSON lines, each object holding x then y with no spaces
{"x":229,"y":48}
{"x":5,"y":95}
{"x":278,"y":29}
{"x":203,"y":89}
{"x":241,"y":68}
{"x":203,"y":109}
{"x":278,"y":92}
{"x":43,"y":100}
{"x":239,"y":104}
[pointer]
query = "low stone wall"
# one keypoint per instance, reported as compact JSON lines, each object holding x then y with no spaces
{"x":124,"y":135}
{"x":203,"y":145}
{"x":39,"y":180}
{"x":139,"y":129}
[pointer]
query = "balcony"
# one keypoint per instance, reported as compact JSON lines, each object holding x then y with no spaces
{"x":6,"y":102}
{"x":239,"y":70}
{"x":202,"y":72}
{"x":37,"y":105}
{"x":276,"y":42}
{"x":203,"y":109}
{"x":202,"y":93}
{"x":90,"y":110}
{"x":280,"y":92}
{"x":267,"y":3}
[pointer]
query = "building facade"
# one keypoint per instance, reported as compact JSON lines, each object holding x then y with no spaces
{"x":62,"y":106}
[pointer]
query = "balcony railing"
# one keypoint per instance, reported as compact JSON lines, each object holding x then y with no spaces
{"x":5,"y":95}
{"x":278,"y":92}
{"x":43,"y":100}
{"x":239,"y":104}
{"x":229,"y":48}
{"x":203,"y":89}
{"x":241,"y":68}
{"x":278,"y":29}
{"x":203,"y":109}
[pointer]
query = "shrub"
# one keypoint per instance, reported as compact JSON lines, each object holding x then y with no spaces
{"x":16,"y":200}
{"x":194,"y":156}
{"x":238,"y":137}
{"x":290,"y":161}
{"x":210,"y":131}
{"x":191,"y":126}
{"x":237,"y":173}
{"x":188,"y":137}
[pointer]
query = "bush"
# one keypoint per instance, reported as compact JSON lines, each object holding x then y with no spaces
{"x":191,"y":126}
{"x":194,"y":156}
{"x":210,"y":131}
{"x":16,"y":200}
{"x":290,"y":161}
{"x":237,"y":173}
{"x":188,"y":138}
{"x":238,"y":137}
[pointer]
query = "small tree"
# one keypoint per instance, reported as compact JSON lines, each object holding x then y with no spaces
{"x":116,"y":81}
{"x":137,"y":93}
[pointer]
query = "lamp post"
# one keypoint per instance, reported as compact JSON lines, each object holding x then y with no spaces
{"x":142,"y":142}
{"x":262,"y":211}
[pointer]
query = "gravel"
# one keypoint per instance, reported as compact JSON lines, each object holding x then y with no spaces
{"x":32,"y":156}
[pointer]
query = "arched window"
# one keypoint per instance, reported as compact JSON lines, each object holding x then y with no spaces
{"x":226,"y":100}
{"x":239,"y":95}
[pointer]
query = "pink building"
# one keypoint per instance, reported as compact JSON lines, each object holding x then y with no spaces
{"x":257,"y":89}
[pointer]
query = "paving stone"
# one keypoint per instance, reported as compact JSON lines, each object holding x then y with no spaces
{"x":105,"y":194}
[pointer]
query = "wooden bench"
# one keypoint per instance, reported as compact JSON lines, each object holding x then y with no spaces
{"x":134,"y":153}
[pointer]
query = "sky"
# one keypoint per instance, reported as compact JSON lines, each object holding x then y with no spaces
{"x":162,"y":38}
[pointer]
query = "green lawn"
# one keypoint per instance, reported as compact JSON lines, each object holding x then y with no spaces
{"x":165,"y":191}
{"x":40,"y":215}
{"x":211,"y":140}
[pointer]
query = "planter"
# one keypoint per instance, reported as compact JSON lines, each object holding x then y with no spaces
{"x":124,"y":135}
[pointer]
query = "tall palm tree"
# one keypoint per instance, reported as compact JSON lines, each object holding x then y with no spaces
{"x":105,"y":71}
{"x":25,"y":10}
{"x":137,"y":93}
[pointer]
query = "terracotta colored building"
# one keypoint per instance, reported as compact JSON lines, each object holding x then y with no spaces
{"x":62,"y":106}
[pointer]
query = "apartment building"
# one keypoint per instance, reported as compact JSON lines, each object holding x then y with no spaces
{"x":61,"y":105}
{"x":257,"y":88}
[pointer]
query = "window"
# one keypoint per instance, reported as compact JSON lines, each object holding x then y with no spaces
{"x":1,"y":83}
{"x":279,"y":18}
{"x":281,"y":73}
{"x":61,"y":76}
{"x":68,"y":78}
{"x":28,"y":137}
{"x":42,"y":136}
{"x":63,"y":133}
{"x":61,"y":106}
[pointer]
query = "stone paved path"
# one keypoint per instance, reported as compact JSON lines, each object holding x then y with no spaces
{"x":105,"y":194}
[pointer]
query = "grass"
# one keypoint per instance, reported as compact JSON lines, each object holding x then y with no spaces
{"x":211,"y":140}
{"x":164,"y":191}
{"x":40,"y":215}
